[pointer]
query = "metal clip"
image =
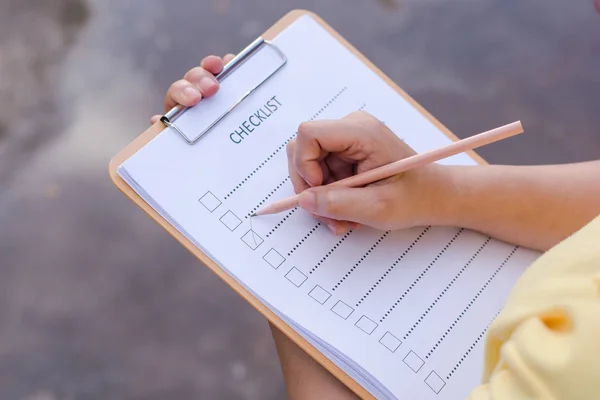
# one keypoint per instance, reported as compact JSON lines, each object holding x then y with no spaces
{"x":242,"y":57}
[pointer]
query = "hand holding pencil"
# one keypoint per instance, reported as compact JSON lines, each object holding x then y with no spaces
{"x":356,"y":171}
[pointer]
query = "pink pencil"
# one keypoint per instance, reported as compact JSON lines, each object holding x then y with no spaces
{"x":405,"y":164}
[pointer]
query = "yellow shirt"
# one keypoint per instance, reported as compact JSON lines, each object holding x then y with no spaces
{"x":545,"y":344}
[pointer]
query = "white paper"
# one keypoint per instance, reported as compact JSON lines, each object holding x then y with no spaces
{"x":403,"y":312}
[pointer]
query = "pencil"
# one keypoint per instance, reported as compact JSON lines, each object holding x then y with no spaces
{"x":408,"y":163}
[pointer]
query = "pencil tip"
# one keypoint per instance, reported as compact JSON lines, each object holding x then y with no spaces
{"x":253,"y":215}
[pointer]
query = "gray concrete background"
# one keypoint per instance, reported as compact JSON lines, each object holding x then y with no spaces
{"x":96,"y":302}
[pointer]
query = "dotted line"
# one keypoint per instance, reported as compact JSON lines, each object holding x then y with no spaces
{"x":267,"y":197}
{"x":446,"y":288}
{"x":362,"y":107}
{"x":462,"y":314}
{"x":228,"y":195}
{"x":360,"y":261}
{"x":470,"y":349}
{"x":282,"y":221}
{"x":393,"y":266}
{"x":329,"y":103}
{"x":281,"y":147}
{"x":326,"y":256}
{"x":304,"y":238}
{"x":421,"y":276}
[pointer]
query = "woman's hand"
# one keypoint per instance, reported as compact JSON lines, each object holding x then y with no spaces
{"x":327,"y":151}
{"x":532,"y":206}
{"x":197,"y":83}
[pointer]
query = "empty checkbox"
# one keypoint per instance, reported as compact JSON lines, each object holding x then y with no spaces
{"x":231,"y":221}
{"x":413,"y":361}
{"x":252,"y":239}
{"x":274,"y":258}
{"x":319,"y":294}
{"x":342,"y":309}
{"x":390,"y":341}
{"x":366,"y":325}
{"x":210,"y":201}
{"x":296,"y":277}
{"x":434,"y":381}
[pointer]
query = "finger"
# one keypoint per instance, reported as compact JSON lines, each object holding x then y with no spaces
{"x":155,"y":119}
{"x":300,"y":185}
{"x":298,"y":182}
{"x":354,"y":226}
{"x":227,"y":59}
{"x":183,"y":93}
{"x":212,"y":64}
{"x":203,"y":80}
{"x":335,"y":226}
{"x":319,"y":138}
{"x":360,"y":205}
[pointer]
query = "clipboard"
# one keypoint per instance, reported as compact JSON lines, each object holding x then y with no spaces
{"x":170,"y":120}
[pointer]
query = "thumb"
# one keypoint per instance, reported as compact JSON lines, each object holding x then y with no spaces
{"x":341,"y":203}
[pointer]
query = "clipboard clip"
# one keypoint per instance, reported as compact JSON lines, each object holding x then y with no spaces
{"x":169,"y":118}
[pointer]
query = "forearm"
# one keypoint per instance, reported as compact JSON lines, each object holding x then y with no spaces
{"x":533,"y":206}
{"x":304,"y":377}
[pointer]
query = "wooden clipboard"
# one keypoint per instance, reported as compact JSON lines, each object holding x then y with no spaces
{"x":153,"y":131}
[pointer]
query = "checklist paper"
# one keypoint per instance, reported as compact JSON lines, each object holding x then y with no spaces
{"x":404,"y":312}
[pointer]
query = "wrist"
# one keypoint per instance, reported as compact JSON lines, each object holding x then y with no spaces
{"x":448,"y":200}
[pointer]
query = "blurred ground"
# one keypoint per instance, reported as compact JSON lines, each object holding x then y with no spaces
{"x":96,"y":302}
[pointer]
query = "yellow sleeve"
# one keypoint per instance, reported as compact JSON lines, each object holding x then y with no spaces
{"x":545,"y":344}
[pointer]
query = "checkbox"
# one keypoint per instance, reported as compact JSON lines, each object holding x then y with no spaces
{"x":413,"y":361}
{"x":252,"y":239}
{"x":296,"y":277}
{"x":434,"y":381}
{"x":231,"y":221}
{"x":342,"y":309}
{"x":274,"y":258}
{"x":366,"y":325}
{"x":210,"y":201}
{"x":390,"y":341}
{"x":319,"y":294}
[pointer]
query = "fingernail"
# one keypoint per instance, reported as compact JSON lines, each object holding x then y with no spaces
{"x":191,"y":92}
{"x":332,"y":228}
{"x":308,"y":201}
{"x":207,"y":83}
